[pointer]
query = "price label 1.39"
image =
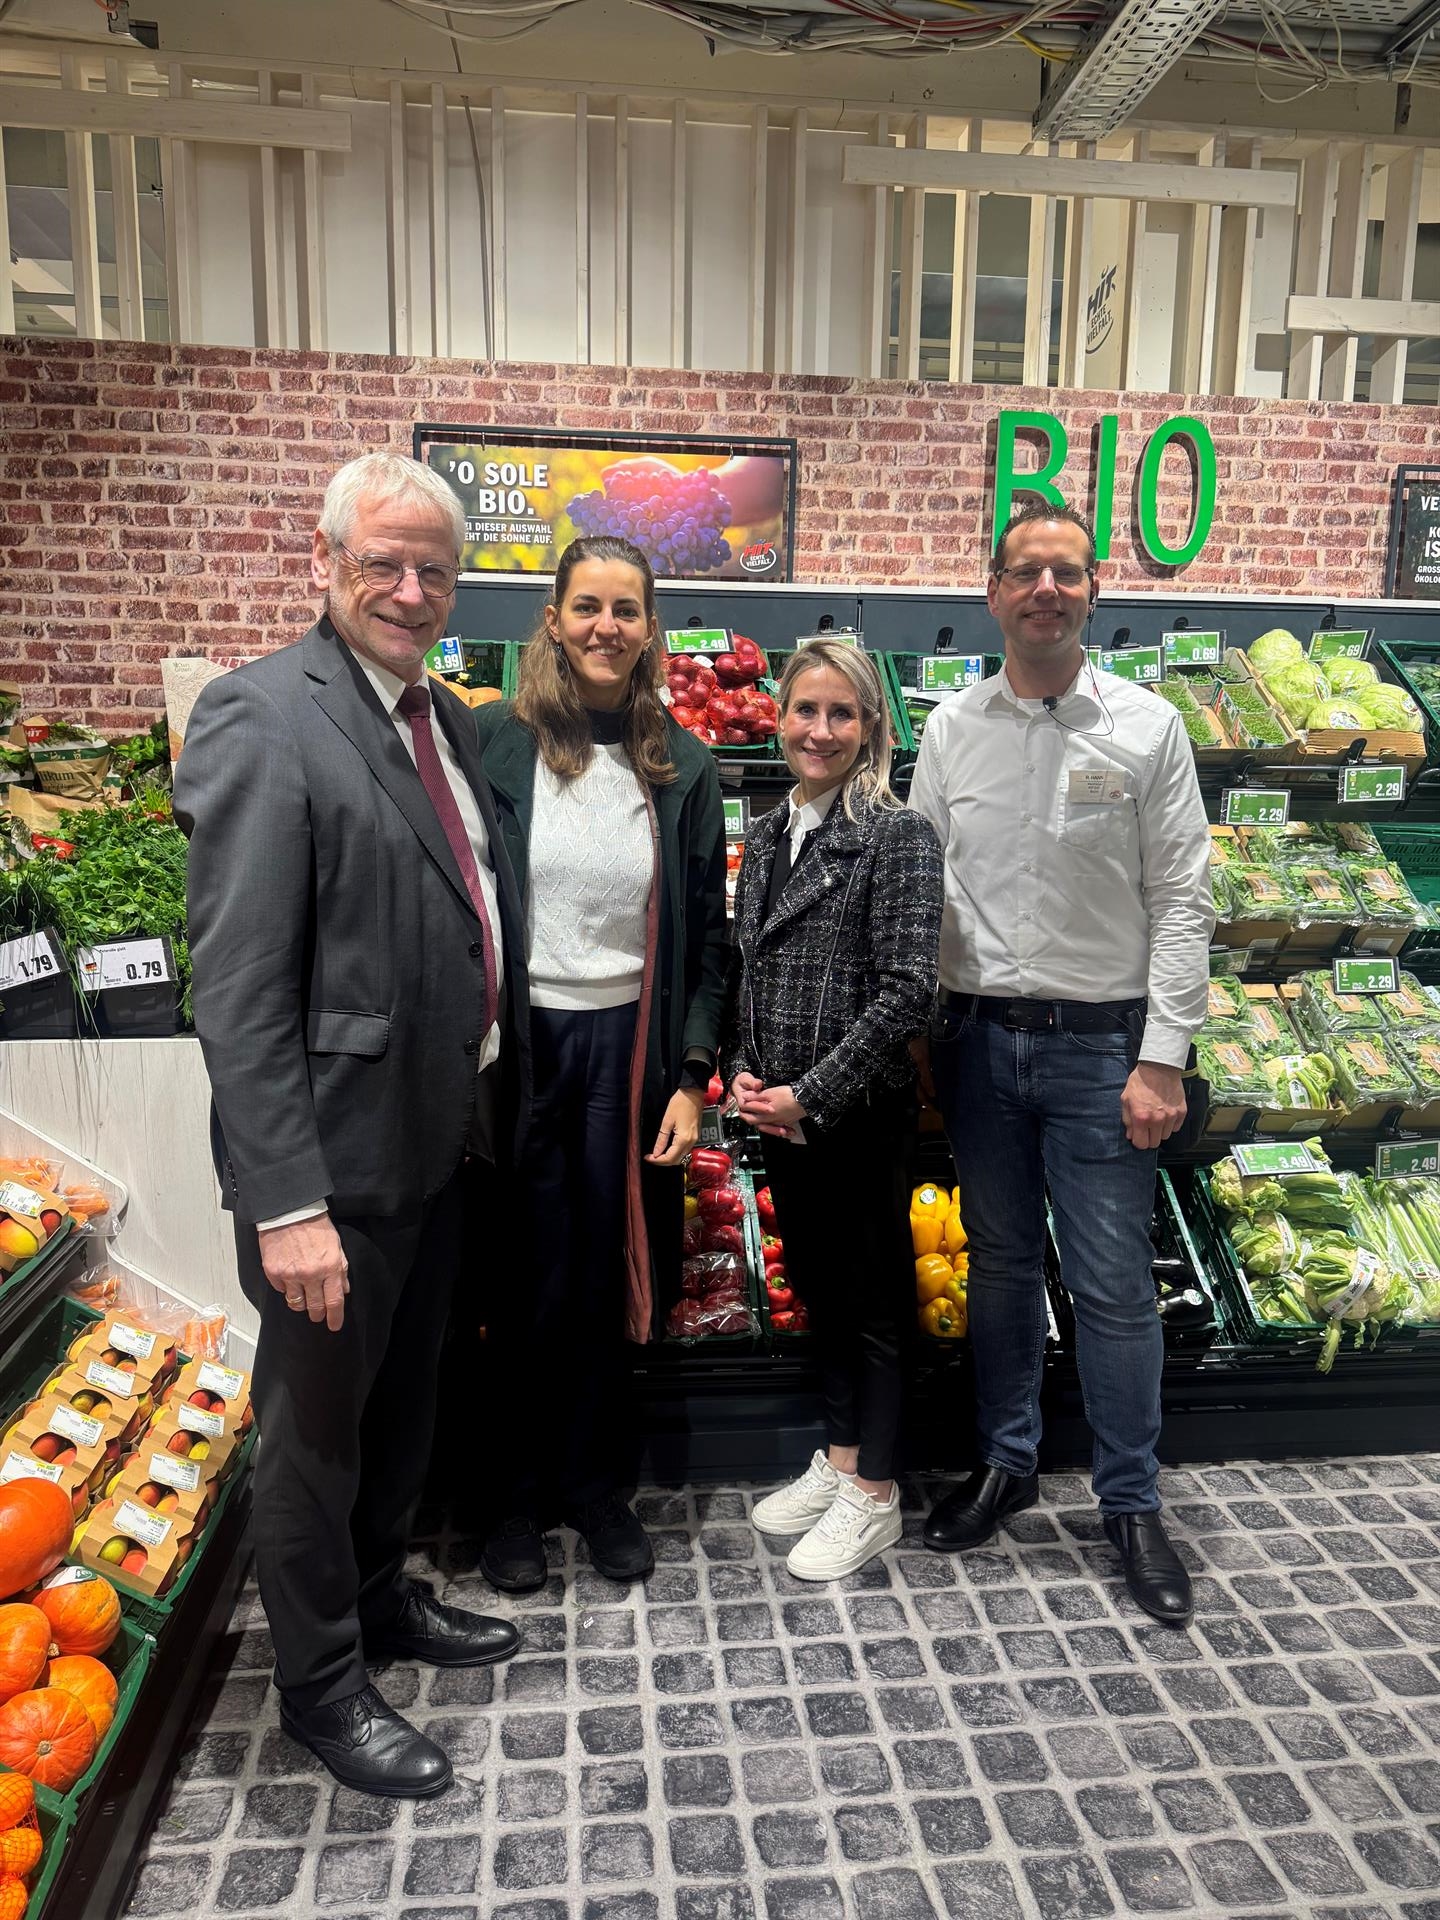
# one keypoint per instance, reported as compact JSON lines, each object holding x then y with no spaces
{"x":1256,"y":807}
{"x":30,"y":958}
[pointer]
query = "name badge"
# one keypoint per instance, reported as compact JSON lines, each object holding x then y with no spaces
{"x":1092,"y":785}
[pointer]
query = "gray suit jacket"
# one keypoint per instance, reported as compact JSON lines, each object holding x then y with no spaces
{"x":338,"y":971}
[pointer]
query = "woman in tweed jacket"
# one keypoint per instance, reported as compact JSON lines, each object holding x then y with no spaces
{"x":837,"y":926}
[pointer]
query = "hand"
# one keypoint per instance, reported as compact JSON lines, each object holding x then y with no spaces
{"x":925,"y":1080}
{"x":743,"y":1086}
{"x":306,"y":1263}
{"x":679,"y":1129}
{"x":773,"y":1109}
{"x":1153,"y":1104}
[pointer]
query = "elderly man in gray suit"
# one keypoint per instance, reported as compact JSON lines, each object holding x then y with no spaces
{"x":358,"y":952}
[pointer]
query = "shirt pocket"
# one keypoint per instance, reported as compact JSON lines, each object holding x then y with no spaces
{"x":1096,"y":826}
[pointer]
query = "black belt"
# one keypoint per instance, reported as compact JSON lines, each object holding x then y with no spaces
{"x":1045,"y":1016}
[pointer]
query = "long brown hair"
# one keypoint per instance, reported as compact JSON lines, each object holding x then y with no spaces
{"x":547,"y":702}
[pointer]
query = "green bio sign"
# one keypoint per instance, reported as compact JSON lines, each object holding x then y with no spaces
{"x":1185,"y":429}
{"x":1403,"y":1159}
{"x":946,"y":673}
{"x":1255,"y":807}
{"x":1144,"y":664}
{"x":1333,"y":643}
{"x":1371,"y":786}
{"x":737,"y":817}
{"x":1275,"y":1158}
{"x":1357,"y":975}
{"x":1193,"y":649}
{"x":698,"y":640}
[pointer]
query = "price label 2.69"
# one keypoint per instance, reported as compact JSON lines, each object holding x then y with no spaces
{"x":1256,"y":807}
{"x":1335,"y":643}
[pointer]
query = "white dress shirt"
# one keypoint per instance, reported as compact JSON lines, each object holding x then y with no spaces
{"x":805,"y":816}
{"x":1053,"y":892}
{"x":388,"y":688}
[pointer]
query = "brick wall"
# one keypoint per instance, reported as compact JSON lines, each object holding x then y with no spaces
{"x":160,"y":499}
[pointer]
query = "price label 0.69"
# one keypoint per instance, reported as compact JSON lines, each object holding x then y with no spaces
{"x":1403,"y":1159}
{"x":1334,"y":643}
{"x":1256,"y":807}
{"x":30,"y":958}
{"x":1372,"y":785}
{"x":1357,"y":975}
{"x":949,"y":672}
{"x":1193,"y":649}
{"x":125,"y":963}
{"x":1275,"y":1157}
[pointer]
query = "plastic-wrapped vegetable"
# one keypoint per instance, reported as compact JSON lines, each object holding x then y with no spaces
{"x":1420,"y":1053}
{"x":1321,"y":894}
{"x":1259,"y":893}
{"x":1324,"y":1012}
{"x":1348,"y":675}
{"x":1365,"y":1070}
{"x":1277,"y":648}
{"x":1220,"y":901}
{"x":1297,"y":686}
{"x":1271,"y":1029}
{"x":1407,"y":1214}
{"x":1267,"y":1244}
{"x":1296,"y":840}
{"x":1353,"y":836}
{"x":1383,"y":893}
{"x":1237,"y":1193}
{"x":1300,"y":1079}
{"x":1224,"y":847}
{"x":1336,"y":712}
{"x":1349,"y":1285}
{"x":1234,"y":1069}
{"x":1411,"y":1008}
{"x":1226,"y":999}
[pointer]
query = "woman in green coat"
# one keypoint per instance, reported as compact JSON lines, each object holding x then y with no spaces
{"x":612,"y":819}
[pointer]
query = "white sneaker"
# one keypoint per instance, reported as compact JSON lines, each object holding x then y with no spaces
{"x":796,"y":1508}
{"x":853,"y":1529}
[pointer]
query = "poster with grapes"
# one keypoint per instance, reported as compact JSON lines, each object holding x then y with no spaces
{"x":698,"y":509}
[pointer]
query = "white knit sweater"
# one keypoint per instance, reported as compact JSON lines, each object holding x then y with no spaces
{"x":591,"y":865}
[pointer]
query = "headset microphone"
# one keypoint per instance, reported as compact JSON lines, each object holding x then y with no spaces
{"x":1050,"y":702}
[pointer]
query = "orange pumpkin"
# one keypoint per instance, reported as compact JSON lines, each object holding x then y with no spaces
{"x":89,"y":1682}
{"x":36,"y":1519}
{"x":17,"y":1799}
{"x":14,"y":1898}
{"x":83,"y":1611}
{"x":20,"y":1851}
{"x":47,"y":1735}
{"x":24,"y":1649}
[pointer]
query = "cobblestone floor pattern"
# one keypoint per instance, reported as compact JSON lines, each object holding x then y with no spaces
{"x":983,"y":1738}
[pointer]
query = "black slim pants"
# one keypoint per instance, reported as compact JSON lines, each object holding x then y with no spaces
{"x":345,"y":1423}
{"x":842,"y":1206}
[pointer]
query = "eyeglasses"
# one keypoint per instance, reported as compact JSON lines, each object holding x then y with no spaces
{"x":436,"y":582}
{"x":1027,"y":576}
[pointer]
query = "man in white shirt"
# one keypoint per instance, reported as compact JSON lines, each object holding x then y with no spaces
{"x":1073,"y":975}
{"x":358,"y":949}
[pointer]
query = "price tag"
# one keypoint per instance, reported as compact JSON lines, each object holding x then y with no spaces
{"x":737,"y":817}
{"x":1355,"y":975}
{"x":1193,"y":649}
{"x":447,"y":655}
{"x":1368,"y":784}
{"x":1333,"y":642}
{"x":1275,"y":1157}
{"x":17,"y":1199}
{"x":24,"y":1466}
{"x":198,"y":1420}
{"x":1131,"y":663}
{"x":111,"y":1379}
{"x":132,"y":1340}
{"x":847,"y":636}
{"x":712,"y":1128}
{"x":125,"y":963}
{"x":699,"y":640}
{"x":948,"y":672}
{"x":1403,"y":1159}
{"x":222,"y":1380}
{"x":183,"y":1475}
{"x":30,"y":958}
{"x":79,"y":1428}
{"x":1256,"y":807}
{"x":141,"y":1523}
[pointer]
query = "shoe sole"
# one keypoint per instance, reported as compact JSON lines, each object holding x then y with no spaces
{"x":787,"y":1532}
{"x":440,"y":1659}
{"x":388,"y":1792}
{"x":1020,"y":1506}
{"x":840,"y":1573}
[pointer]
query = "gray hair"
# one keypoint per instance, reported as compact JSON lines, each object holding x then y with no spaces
{"x":869,"y":774}
{"x":382,"y":477}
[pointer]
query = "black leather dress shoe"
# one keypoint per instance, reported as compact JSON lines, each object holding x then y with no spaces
{"x":971,"y":1514}
{"x":513,"y":1556}
{"x":440,"y":1636}
{"x":619,"y":1547}
{"x":369,"y":1747}
{"x":1154,"y":1572}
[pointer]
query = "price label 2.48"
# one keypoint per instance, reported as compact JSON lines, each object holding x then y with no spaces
{"x":1256,"y":807}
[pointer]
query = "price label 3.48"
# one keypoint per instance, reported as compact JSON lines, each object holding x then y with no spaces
{"x":30,"y":958}
{"x":125,"y":963}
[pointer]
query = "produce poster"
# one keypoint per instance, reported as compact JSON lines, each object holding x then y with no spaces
{"x":1415,"y":535}
{"x":714,"y":515}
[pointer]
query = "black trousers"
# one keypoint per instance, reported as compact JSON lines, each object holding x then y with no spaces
{"x":345,"y":1424}
{"x":557,"y":1347}
{"x":842,"y":1207}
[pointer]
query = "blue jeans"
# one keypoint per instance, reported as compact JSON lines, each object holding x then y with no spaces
{"x":1023,"y":1110}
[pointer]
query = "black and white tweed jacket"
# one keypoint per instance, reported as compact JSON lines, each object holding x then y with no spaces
{"x":825,"y":994}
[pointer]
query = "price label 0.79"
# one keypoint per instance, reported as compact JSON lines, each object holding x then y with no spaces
{"x":30,"y":958}
{"x":1193,"y":649}
{"x":1372,"y":785}
{"x":1256,"y":807}
{"x":1275,"y":1157}
{"x":125,"y":963}
{"x":1403,"y":1159}
{"x":1363,"y":975}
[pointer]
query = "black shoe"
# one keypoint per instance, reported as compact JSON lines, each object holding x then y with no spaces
{"x":1154,"y":1572}
{"x":968,"y":1516}
{"x":369,"y":1747}
{"x":425,"y":1629}
{"x":618,"y":1544}
{"x":513,"y":1557}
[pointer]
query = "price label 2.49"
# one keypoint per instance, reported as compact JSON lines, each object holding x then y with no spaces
{"x":1256,"y":807}
{"x":1403,"y":1159}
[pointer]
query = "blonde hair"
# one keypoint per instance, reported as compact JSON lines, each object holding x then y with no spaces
{"x":869,"y":772}
{"x":380,"y":478}
{"x":546,"y":700}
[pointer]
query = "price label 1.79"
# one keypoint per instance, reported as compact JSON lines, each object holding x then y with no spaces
{"x":1403,"y":1159}
{"x":30,"y":958}
{"x":1193,"y":649}
{"x":1372,"y":785}
{"x":1365,"y":975}
{"x":1275,"y":1157}
{"x":949,"y":672}
{"x":125,"y":963}
{"x":1256,"y":807}
{"x":1334,"y":643}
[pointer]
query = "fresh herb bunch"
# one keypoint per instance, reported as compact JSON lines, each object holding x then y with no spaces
{"x":143,"y":754}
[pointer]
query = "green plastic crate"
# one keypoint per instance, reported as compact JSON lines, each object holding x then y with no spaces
{"x":492,"y":663}
{"x":128,"y":1658}
{"x":56,"y":1820}
{"x":1416,"y":850}
{"x":31,"y":1360}
{"x":1400,"y":656}
{"x":13,"y":1282}
{"x":1240,"y":1319}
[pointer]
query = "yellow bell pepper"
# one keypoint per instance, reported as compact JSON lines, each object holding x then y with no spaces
{"x":956,"y":1237}
{"x":933,"y":1273}
{"x":960,"y":1267}
{"x":943,"y":1319}
{"x":928,"y":1207}
{"x":955,"y":1291}
{"x":692,"y":1207}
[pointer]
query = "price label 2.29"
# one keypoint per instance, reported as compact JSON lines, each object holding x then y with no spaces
{"x":1372,"y":785}
{"x":1359,"y":975}
{"x":125,"y":963}
{"x":30,"y":958}
{"x":1403,"y":1159}
{"x":1256,"y":807}
{"x":1277,"y":1158}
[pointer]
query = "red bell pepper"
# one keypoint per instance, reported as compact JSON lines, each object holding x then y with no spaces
{"x":778,"y":1293}
{"x":715,"y":1092}
{"x":764,"y":1206}
{"x":709,"y":1167}
{"x":719,"y":1205}
{"x":721,"y":1238}
{"x":692,"y":1238}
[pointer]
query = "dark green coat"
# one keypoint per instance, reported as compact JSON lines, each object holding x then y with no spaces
{"x":687,"y":1006}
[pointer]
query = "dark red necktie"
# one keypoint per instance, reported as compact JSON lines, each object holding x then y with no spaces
{"x":415,"y":705}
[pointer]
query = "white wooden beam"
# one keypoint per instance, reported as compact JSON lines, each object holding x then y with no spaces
{"x":1135,"y":224}
{"x":84,"y":239}
{"x":312,"y":247}
{"x":622,"y":231}
{"x":177,"y":189}
{"x":1347,"y":266}
{"x":942,"y":170}
{"x":797,"y":279}
{"x":877,"y":269}
{"x":397,"y":224}
{"x":759,"y":171}
{"x":963,"y":264}
{"x":7,"y":275}
{"x":1397,"y":270}
{"x":125,"y":216}
{"x":1234,"y":280}
{"x":1079,"y":229}
{"x":1195,"y":307}
{"x":1039,"y":278}
{"x":679,"y":239}
{"x":582,"y":229}
{"x":1397,"y":319}
{"x":1312,"y":252}
{"x":270,"y":281}
{"x":499,"y":231}
{"x":439,"y":223}
{"x":912,"y":260}
{"x":218,"y":123}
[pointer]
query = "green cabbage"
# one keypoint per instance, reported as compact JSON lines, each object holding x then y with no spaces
{"x":1390,"y":707}
{"x":1274,"y":649}
{"x":1297,"y":685}
{"x":1348,"y":675}
{"x":1337,"y":713}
